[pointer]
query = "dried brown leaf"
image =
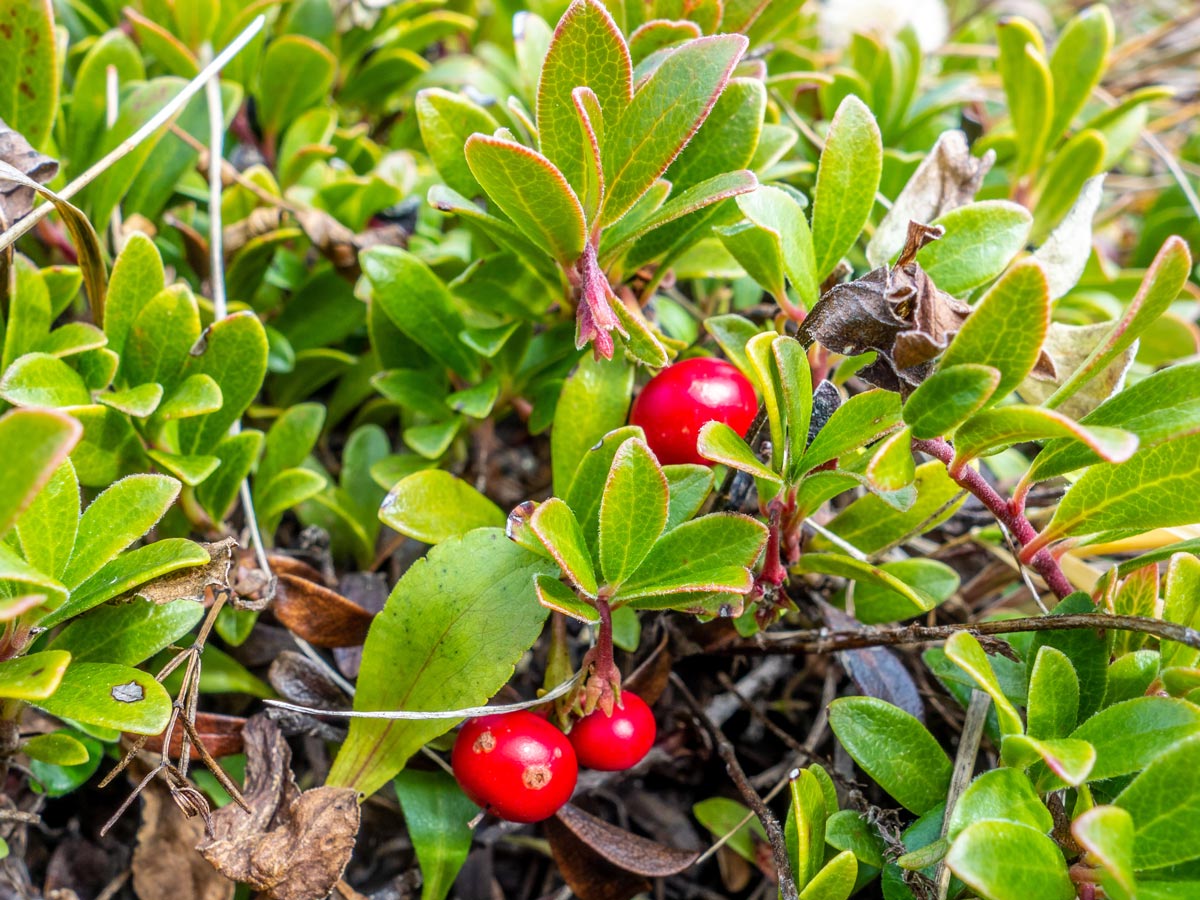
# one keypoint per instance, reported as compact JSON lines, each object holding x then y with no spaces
{"x":299,"y":680}
{"x":1067,"y":346}
{"x":221,"y":736}
{"x":292,"y":845}
{"x":321,"y":616}
{"x":191,"y":584}
{"x":16,"y":200}
{"x":621,"y":848}
{"x":165,"y":861}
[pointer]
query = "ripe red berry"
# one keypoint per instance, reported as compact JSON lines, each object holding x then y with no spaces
{"x":677,"y":402}
{"x":616,"y":742}
{"x":516,"y":765}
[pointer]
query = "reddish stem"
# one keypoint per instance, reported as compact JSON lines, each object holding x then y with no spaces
{"x":1043,"y":562}
{"x":773,"y":571}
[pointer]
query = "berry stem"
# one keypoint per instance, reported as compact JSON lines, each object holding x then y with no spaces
{"x":1011,"y":517}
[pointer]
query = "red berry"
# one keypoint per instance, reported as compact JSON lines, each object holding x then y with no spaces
{"x":677,"y":402}
{"x":516,"y":765}
{"x":616,"y":742}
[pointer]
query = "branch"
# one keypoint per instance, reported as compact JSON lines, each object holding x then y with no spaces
{"x":1016,"y":523}
{"x":824,"y":640}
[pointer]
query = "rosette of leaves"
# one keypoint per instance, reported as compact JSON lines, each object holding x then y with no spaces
{"x":60,"y":567}
{"x":587,"y":182}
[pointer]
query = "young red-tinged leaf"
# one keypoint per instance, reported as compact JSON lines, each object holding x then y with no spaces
{"x":1064,"y":761}
{"x":949,"y":397}
{"x":1164,"y":801}
{"x":33,"y":677}
{"x":591,"y":129}
{"x":633,"y":511}
{"x":713,"y":553}
{"x":981,"y":239}
{"x":1106,"y":833}
{"x":1006,"y":329}
{"x":909,"y":765}
{"x":465,"y":588}
{"x":981,"y":857}
{"x":447,"y":120}
{"x":557,"y":597}
{"x":34,"y":443}
{"x":721,"y":444}
{"x":1162,"y":284}
{"x":433,"y":505}
{"x":1157,"y":488}
{"x":111,"y":696}
{"x":557,"y":528}
{"x":856,"y":423}
{"x":531,"y":192}
{"x":999,"y":794}
{"x":652,"y":36}
{"x":847,"y":178}
{"x":594,"y":401}
{"x":588,"y":51}
{"x":997,"y":429}
{"x":664,"y":114}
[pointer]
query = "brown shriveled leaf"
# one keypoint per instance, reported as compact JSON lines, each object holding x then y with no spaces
{"x":191,"y":584}
{"x":321,"y":616}
{"x":877,"y":671}
{"x":292,"y":845}
{"x":370,"y":591}
{"x":898,"y":312}
{"x":602,"y":862}
{"x":299,"y":680}
{"x":165,"y":861}
{"x":16,"y":200}
{"x":1067,"y":346}
{"x":221,"y":736}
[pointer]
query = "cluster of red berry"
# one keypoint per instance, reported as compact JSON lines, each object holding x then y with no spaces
{"x":521,"y":768}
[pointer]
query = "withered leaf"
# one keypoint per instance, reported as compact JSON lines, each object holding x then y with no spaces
{"x":877,"y":671}
{"x":190,"y":584}
{"x":221,"y":736}
{"x":299,"y":680}
{"x":897,"y":312}
{"x":1067,"y":346}
{"x":627,"y":851}
{"x":165,"y":861}
{"x":16,"y":200}
{"x":321,"y":616}
{"x":292,"y":845}
{"x":826,"y":401}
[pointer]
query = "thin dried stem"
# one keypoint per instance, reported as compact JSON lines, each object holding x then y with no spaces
{"x":964,"y":767}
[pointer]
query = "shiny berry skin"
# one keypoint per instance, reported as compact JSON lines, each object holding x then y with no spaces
{"x":616,"y":742}
{"x":677,"y":402}
{"x":516,"y":765}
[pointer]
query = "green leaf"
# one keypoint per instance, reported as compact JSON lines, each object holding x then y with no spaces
{"x":1128,"y":735}
{"x":1030,"y":92}
{"x":420,"y":305}
{"x":733,"y":333}
{"x":1078,"y":63}
{"x":1157,"y":408}
{"x":849,"y":830}
{"x":139,"y":402}
{"x":1164,"y":802}
{"x":1053,"y":707}
{"x":161,"y":337}
{"x":59,"y":780}
{"x":587,"y":50}
{"x":128,"y":633}
{"x":847,"y":178}
{"x":29,"y":91}
{"x":88,"y":107}
{"x":111,"y":696}
{"x":1063,"y":180}
{"x":465,"y":588}
{"x":115,"y":519}
{"x":557,"y":597}
{"x":234,"y":355}
{"x":191,"y":470}
{"x":438,"y":817}
{"x":668,"y":107}
{"x":196,"y":395}
{"x":721,"y":444}
{"x":711,"y":554}
{"x":289,"y":488}
{"x":34,"y":443}
{"x":296,"y":75}
{"x":432,"y":505}
{"x":594,"y":401}
{"x":1107,"y":834}
{"x":909,"y":764}
{"x":57,"y":748}
{"x":237,"y":453}
{"x":1089,"y":652}
{"x":1006,"y":330}
{"x":722,"y":816}
{"x":981,"y":238}
{"x":835,"y":881}
{"x":998,"y":429}
{"x":856,"y":423}
{"x":933,"y":581}
{"x":984,"y":854}
{"x":689,"y":487}
{"x":127,"y":571}
{"x":46,"y":530}
{"x":633,"y":510}
{"x":39,"y":379}
{"x":947,"y":398}
{"x":1157,"y":488}
{"x":72,"y":339}
{"x":891,"y":596}
{"x":289,"y":441}
{"x":1162,"y":284}
{"x":531,"y":192}
{"x":1180,"y":602}
{"x":1005,"y":794}
{"x":557,"y":528}
{"x":805,"y":828}
{"x":33,"y":677}
{"x":21,"y":584}
{"x":1069,"y":760}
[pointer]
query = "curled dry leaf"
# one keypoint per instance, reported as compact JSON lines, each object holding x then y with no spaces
{"x":16,"y":200}
{"x":191,"y":584}
{"x":299,"y":680}
{"x":292,"y":845}
{"x":602,"y":862}
{"x":1068,"y":346}
{"x":321,"y":616}
{"x":165,"y":861}
{"x":221,"y":736}
{"x":877,"y":671}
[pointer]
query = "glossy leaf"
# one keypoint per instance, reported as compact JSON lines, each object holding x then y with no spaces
{"x":997,"y":429}
{"x":949,"y":397}
{"x":128,"y":633}
{"x":999,"y":794}
{"x":633,"y":511}
{"x":1128,"y":735}
{"x":594,"y":401}
{"x":854,"y":424}
{"x":446,"y":120}
{"x":711,"y":554}
{"x":437,"y":815}
{"x":296,"y":74}
{"x":1163,"y":802}
{"x":557,"y":528}
{"x":234,"y":355}
{"x":847,"y":178}
{"x":33,"y":677}
{"x":1078,"y":63}
{"x":1053,"y":707}
{"x":982,"y":857}
{"x":981,"y":238}
{"x":721,"y":444}
{"x":433,"y":505}
{"x":1107,"y":834}
{"x":111,"y":696}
